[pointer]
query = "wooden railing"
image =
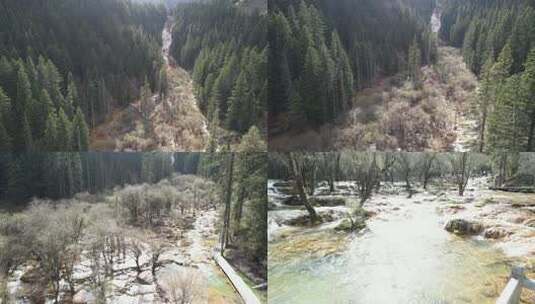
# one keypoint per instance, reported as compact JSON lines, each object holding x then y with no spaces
{"x":512,"y":291}
{"x":246,"y":293}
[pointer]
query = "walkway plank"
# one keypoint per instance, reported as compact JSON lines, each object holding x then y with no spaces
{"x":243,"y":289}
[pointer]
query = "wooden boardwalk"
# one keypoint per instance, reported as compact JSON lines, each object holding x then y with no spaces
{"x":246,"y":293}
{"x":512,"y":291}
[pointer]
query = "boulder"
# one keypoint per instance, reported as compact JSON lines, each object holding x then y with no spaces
{"x":463,"y":227}
{"x":329,"y":201}
{"x":529,"y":222}
{"x":351,"y":224}
{"x":145,"y":278}
{"x":83,"y":297}
{"x":292,"y":201}
{"x":31,"y":275}
{"x":496,"y":233}
{"x":304,"y":220}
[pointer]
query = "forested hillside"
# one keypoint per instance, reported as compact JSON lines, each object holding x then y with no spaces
{"x":63,"y":70}
{"x":224,"y":46}
{"x":240,"y":180}
{"x":321,"y":52}
{"x":498,"y":44}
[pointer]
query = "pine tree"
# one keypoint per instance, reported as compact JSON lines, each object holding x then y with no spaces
{"x":415,"y":59}
{"x":80,"y":136}
{"x":528,"y":83}
{"x":486,"y":98}
{"x":77,"y":173}
{"x":22,"y":136}
{"x":50,"y":136}
{"x":24,"y":93}
{"x":41,"y":113}
{"x":311,"y":85}
{"x":27,"y":135}
{"x":502,"y":67}
{"x":17,"y":183}
{"x":64,"y":138}
{"x":252,"y":141}
{"x":297,"y":113}
{"x":5,"y":110}
{"x":237,"y":101}
{"x":71,"y":99}
{"x":5,"y":139}
{"x":213,"y":140}
{"x":162,"y":81}
{"x":504,"y":133}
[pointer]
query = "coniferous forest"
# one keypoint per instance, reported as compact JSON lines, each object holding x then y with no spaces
{"x":98,"y":75}
{"x":228,"y":63}
{"x":409,"y":75}
{"x":64,"y":69}
{"x":497,"y":39}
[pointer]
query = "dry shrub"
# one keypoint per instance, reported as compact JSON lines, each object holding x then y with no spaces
{"x":184,"y":287}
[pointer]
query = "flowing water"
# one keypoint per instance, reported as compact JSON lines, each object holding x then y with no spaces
{"x":405,"y":256}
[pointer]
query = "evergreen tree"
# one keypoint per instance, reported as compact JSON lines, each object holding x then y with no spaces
{"x":22,"y":131}
{"x":5,"y":139}
{"x":528,"y":83}
{"x":236,"y":115}
{"x":252,"y":141}
{"x":80,"y":135}
{"x":415,"y":58}
{"x":146,"y":104}
{"x":486,"y":97}
{"x":77,"y":173}
{"x":27,"y":135}
{"x":50,"y":137}
{"x":64,"y":139}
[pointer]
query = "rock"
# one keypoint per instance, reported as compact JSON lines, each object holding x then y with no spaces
{"x":83,"y":297}
{"x":292,"y":201}
{"x":454,"y":208}
{"x":529,"y":222}
{"x":395,"y":208}
{"x":31,"y":275}
{"x":463,"y":227}
{"x":496,"y":233}
{"x":304,"y":220}
{"x":145,"y":278}
{"x":284,"y":187}
{"x":468,"y":200}
{"x":329,"y":201}
{"x":349,"y":225}
{"x":282,"y":184}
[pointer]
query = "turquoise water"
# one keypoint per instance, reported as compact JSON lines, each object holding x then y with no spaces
{"x":405,"y":257}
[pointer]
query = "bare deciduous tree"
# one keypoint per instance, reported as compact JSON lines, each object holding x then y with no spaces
{"x":135,"y":248}
{"x":296,"y":164}
{"x":183,"y":287}
{"x":462,"y":168}
{"x":364,"y":170}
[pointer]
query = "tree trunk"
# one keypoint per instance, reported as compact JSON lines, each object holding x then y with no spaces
{"x":228,"y":198}
{"x":238,"y":212}
{"x":482,"y":131}
{"x":530,"y":147}
{"x":298,"y":180}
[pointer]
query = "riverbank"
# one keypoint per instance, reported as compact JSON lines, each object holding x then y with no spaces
{"x":169,"y":261}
